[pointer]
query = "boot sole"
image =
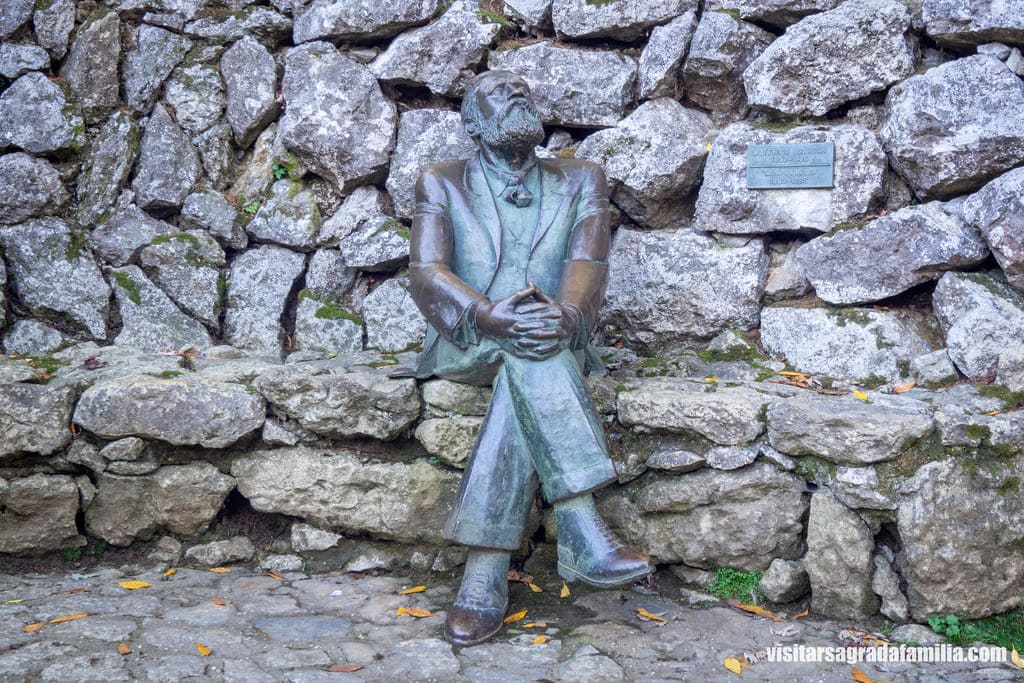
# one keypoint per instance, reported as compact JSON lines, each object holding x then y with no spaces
{"x":572,"y":575}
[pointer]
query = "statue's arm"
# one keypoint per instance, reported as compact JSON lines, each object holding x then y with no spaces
{"x":585,"y":271}
{"x":445,"y":300}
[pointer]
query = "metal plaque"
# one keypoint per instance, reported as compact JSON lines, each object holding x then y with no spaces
{"x":784,"y":166}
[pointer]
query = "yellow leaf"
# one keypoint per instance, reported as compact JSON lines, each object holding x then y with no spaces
{"x":992,"y":412}
{"x":220,"y":570}
{"x":650,"y":616}
{"x":793,"y":375}
{"x":708,"y":148}
{"x":32,"y":628}
{"x":14,"y":602}
{"x":1017,"y":660}
{"x":861,"y":395}
{"x":124,"y":649}
{"x":535,"y":588}
{"x":906,"y":386}
{"x":801,"y":615}
{"x":518,"y":616}
{"x":733,"y":665}
{"x":540,"y":640}
{"x":69,"y":617}
{"x":275,"y":575}
{"x":220,"y":602}
{"x":711,"y":379}
{"x":754,"y":609}
{"x":417,"y":612}
{"x":565,"y":590}
{"x":536,"y":624}
{"x":170,"y":572}
{"x":203,"y":650}
{"x":861,"y":677}
{"x":414,"y":589}
{"x":133,"y":585}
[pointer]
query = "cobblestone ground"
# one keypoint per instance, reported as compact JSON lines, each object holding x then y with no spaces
{"x":298,"y":627}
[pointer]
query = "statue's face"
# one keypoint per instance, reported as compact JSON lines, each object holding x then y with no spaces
{"x":508,"y":117}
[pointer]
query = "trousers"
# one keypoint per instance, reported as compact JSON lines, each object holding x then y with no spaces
{"x":541,"y":428}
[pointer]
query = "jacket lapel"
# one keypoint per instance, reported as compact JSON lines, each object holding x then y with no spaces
{"x":481,"y":204}
{"x":552,"y":196}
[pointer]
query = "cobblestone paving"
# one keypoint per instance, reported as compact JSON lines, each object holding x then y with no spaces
{"x":298,"y":627}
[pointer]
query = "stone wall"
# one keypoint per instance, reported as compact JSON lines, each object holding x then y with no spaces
{"x":204,"y":218}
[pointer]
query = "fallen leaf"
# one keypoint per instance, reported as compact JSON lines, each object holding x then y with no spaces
{"x":203,"y":650}
{"x":275,"y":575}
{"x":650,"y":616}
{"x":220,"y":602}
{"x":124,"y":649}
{"x":220,"y":570}
{"x":14,"y":602}
{"x":414,"y":589}
{"x":801,"y":615}
{"x":32,"y":628}
{"x":992,"y":412}
{"x":417,"y":612}
{"x":170,"y":572}
{"x":92,"y":363}
{"x":902,"y":388}
{"x":133,"y":585}
{"x":74,"y":591}
{"x":733,"y":665}
{"x":711,"y":380}
{"x":519,"y":577}
{"x":794,"y":375}
{"x":343,"y":668}
{"x":540,"y":640}
{"x":754,"y":609}
{"x":1017,"y":660}
{"x":565,"y":590}
{"x":535,"y":588}
{"x":68,"y":617}
{"x":536,"y":624}
{"x":861,"y":395}
{"x":859,"y":676}
{"x":518,"y":616}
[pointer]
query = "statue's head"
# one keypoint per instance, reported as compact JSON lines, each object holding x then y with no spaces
{"x":497,"y":111}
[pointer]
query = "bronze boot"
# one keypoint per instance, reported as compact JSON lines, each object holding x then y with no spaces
{"x":589,"y":551}
{"x":483,"y":597}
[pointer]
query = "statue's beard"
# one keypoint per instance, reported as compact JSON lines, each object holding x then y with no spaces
{"x":516,"y":126}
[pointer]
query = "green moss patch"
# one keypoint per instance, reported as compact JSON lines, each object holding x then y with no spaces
{"x":731,"y":584}
{"x":130,"y":286}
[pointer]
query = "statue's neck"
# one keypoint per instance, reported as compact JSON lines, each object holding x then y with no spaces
{"x":511,"y":159}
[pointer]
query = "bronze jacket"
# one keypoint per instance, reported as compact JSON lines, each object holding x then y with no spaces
{"x":456,"y":248}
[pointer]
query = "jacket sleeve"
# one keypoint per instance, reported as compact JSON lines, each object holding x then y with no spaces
{"x":446,"y":301}
{"x":585,"y":271}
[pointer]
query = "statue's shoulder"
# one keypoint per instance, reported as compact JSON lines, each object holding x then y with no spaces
{"x":446,"y":169}
{"x":574,"y":168}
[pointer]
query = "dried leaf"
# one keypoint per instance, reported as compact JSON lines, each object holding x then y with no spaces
{"x":14,"y":602}
{"x":275,"y":575}
{"x":203,"y":650}
{"x":220,"y":602}
{"x":754,"y":609}
{"x":861,"y":677}
{"x":170,"y":572}
{"x":133,"y":585}
{"x":1017,"y":660}
{"x":417,"y":612}
{"x":220,"y":570}
{"x":648,"y":615}
{"x":124,"y":649}
{"x":518,"y":616}
{"x":794,"y":375}
{"x":801,"y":615}
{"x":992,"y":412}
{"x":414,"y":589}
{"x":711,"y":380}
{"x":536,"y":624}
{"x":68,"y":617}
{"x":861,"y":395}
{"x":343,"y":668}
{"x":733,"y":665}
{"x":93,"y":363}
{"x":74,"y":591}
{"x":540,"y":640}
{"x":565,"y":590}
{"x":905,"y":387}
{"x":535,"y":588}
{"x":519,"y":577}
{"x":32,"y":628}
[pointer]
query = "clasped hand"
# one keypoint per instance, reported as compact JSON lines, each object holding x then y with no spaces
{"x":532,"y":322}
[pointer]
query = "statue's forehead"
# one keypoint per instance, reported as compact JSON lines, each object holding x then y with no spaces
{"x":489,"y":77}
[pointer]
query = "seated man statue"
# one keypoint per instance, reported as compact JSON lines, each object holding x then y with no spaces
{"x":508,"y":262}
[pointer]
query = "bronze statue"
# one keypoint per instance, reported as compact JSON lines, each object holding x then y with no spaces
{"x":508,"y":263}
